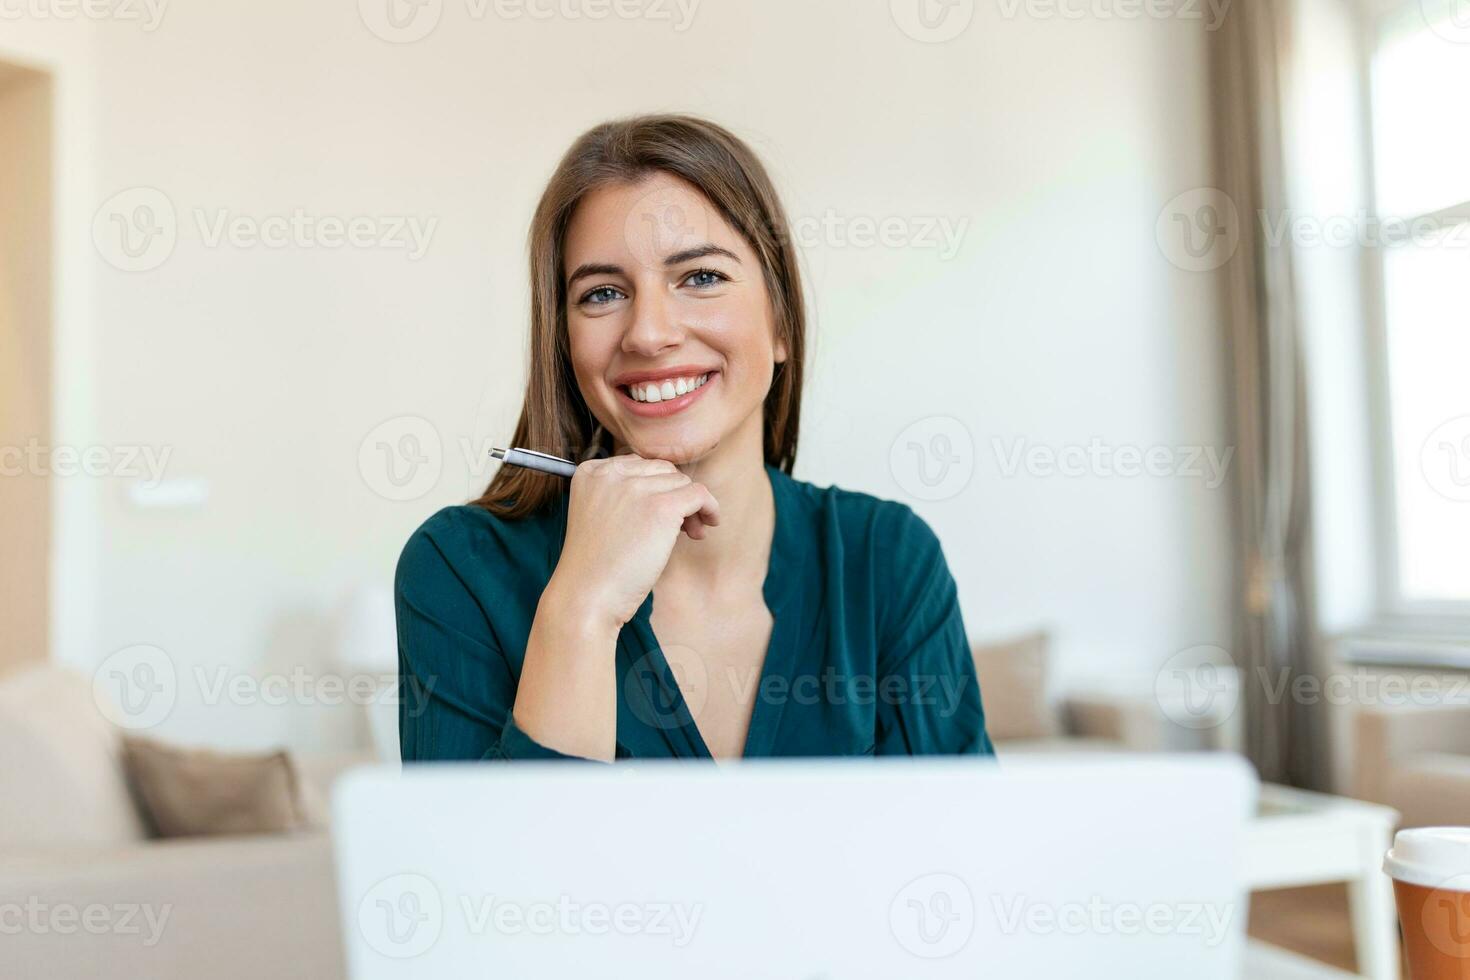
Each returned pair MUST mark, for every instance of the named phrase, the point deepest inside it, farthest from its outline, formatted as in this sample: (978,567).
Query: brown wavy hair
(555,417)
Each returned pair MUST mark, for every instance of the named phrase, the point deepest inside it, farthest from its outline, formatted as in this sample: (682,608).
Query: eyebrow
(697,252)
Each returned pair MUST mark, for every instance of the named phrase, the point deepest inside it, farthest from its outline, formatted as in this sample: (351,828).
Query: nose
(653,326)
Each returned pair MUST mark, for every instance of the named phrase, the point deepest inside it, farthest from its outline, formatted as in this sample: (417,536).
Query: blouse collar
(780,581)
(781,573)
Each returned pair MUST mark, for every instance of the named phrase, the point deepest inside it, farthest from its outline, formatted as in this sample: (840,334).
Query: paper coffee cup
(1430,868)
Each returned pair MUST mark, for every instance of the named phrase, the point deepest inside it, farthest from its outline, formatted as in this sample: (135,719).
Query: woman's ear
(780,351)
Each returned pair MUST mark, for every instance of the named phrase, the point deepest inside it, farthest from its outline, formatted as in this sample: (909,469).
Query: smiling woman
(667,345)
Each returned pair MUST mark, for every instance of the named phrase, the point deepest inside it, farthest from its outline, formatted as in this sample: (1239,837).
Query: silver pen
(532,460)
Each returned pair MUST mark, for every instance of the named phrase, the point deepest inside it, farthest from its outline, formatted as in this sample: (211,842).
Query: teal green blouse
(867,656)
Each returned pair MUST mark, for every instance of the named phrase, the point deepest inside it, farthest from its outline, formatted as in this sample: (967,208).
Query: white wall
(263,370)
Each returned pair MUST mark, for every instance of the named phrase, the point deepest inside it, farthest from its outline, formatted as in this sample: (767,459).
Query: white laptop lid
(838,870)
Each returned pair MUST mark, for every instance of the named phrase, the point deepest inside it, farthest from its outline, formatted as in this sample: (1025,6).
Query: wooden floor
(1311,921)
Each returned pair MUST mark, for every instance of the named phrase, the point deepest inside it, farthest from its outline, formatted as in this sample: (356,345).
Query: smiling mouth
(667,390)
(653,399)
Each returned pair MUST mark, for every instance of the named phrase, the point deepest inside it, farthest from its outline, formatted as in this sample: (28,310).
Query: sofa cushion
(188,792)
(1060,743)
(1430,789)
(1013,687)
(61,776)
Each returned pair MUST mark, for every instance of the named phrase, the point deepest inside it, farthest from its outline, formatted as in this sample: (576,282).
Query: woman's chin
(680,453)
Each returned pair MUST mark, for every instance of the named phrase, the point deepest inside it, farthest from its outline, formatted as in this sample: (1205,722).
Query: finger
(694,499)
(631,464)
(710,512)
(656,483)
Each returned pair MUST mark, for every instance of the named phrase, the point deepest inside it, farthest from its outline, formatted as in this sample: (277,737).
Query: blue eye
(707,277)
(600,296)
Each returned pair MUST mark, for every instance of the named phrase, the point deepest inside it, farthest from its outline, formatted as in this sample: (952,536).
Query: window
(1420,75)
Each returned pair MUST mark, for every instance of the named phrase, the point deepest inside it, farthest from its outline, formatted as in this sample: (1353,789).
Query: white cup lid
(1433,857)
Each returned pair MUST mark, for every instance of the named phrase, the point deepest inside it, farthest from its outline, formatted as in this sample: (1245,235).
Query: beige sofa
(1112,723)
(84,891)
(1022,715)
(1415,759)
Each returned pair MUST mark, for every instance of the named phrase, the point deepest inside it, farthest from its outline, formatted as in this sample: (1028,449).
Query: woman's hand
(624,516)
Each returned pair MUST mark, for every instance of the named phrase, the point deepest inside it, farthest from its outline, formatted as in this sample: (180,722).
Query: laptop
(1104,866)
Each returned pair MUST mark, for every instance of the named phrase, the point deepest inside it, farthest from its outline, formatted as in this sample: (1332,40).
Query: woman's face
(662,292)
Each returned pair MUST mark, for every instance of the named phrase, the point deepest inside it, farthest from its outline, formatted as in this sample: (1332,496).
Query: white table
(1301,838)
(1266,962)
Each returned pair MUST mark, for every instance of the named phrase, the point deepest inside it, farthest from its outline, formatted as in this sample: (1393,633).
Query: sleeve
(455,685)
(928,693)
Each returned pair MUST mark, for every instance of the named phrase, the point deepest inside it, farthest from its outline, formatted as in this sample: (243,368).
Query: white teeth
(664,390)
